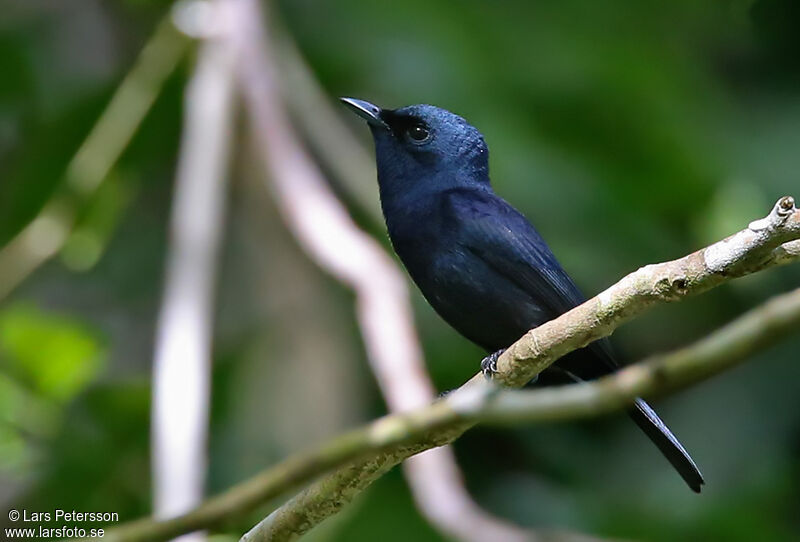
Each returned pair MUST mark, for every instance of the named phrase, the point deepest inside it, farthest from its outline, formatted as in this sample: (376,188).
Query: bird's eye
(418,133)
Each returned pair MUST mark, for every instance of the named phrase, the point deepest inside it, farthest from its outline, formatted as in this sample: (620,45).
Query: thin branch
(658,375)
(182,364)
(398,436)
(764,243)
(483,402)
(326,496)
(46,234)
(329,137)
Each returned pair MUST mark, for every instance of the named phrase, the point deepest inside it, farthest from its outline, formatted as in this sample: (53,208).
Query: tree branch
(483,402)
(657,375)
(391,439)
(398,435)
(331,139)
(762,244)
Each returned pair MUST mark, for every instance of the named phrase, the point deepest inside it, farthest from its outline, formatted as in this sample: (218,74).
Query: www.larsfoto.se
(52,532)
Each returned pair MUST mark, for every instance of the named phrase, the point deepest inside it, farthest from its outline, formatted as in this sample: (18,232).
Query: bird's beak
(367,111)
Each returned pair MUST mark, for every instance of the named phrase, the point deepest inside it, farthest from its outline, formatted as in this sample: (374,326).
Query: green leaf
(54,354)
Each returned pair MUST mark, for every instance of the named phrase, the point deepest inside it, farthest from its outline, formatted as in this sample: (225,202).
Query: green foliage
(45,361)
(56,356)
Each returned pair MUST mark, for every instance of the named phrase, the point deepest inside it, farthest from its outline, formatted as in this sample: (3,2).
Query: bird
(482,266)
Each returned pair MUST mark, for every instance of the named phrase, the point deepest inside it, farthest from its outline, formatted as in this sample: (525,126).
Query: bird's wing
(504,239)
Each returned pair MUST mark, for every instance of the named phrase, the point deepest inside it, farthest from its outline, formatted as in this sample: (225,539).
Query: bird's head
(424,146)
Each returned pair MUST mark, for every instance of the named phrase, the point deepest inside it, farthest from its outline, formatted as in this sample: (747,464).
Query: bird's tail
(649,422)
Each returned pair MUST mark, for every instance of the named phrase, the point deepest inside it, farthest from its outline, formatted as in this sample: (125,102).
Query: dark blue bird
(478,261)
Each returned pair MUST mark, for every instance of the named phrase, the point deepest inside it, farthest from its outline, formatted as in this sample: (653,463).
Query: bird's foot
(489,363)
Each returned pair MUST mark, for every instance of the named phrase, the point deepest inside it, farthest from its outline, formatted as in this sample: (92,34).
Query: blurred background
(629,132)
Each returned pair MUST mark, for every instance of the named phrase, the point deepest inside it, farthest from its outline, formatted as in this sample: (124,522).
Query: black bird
(478,261)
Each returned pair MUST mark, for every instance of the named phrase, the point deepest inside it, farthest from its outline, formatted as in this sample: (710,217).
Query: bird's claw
(489,363)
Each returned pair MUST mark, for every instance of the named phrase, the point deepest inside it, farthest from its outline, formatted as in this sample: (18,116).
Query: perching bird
(478,261)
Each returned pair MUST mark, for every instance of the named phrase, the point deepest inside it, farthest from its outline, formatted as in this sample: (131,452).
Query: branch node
(782,210)
(670,288)
(785,206)
(679,285)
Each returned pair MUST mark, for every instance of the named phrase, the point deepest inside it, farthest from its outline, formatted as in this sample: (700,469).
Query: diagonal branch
(352,167)
(764,243)
(441,422)
(391,439)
